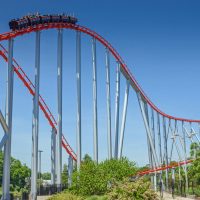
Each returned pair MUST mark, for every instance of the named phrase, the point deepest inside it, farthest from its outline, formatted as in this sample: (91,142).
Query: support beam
(70,171)
(148,130)
(117,99)
(148,143)
(9,107)
(53,157)
(3,141)
(185,155)
(35,129)
(160,152)
(154,143)
(95,122)
(195,134)
(166,152)
(109,134)
(159,138)
(78,79)
(59,93)
(173,182)
(3,122)
(124,118)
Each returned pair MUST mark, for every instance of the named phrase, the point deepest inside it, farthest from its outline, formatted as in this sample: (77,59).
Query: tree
(19,173)
(95,179)
(87,158)
(46,176)
(194,150)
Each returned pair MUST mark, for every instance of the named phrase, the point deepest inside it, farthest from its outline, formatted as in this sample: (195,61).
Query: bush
(126,190)
(65,195)
(96,179)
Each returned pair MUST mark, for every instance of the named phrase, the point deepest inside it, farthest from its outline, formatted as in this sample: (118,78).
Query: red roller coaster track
(164,167)
(124,68)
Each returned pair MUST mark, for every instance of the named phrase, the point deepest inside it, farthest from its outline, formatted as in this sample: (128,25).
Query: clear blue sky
(160,42)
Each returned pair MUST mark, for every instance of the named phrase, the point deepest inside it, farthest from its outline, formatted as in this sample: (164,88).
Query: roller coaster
(157,123)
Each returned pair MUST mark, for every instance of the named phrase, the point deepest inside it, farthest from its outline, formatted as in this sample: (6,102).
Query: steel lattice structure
(157,123)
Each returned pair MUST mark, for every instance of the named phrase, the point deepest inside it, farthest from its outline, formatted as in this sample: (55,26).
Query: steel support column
(185,155)
(117,99)
(95,122)
(70,171)
(53,157)
(109,134)
(78,79)
(148,143)
(3,141)
(9,106)
(160,151)
(59,93)
(166,151)
(159,138)
(148,130)
(35,127)
(124,118)
(3,122)
(154,143)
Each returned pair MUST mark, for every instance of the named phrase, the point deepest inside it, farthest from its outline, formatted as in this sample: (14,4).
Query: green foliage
(65,175)
(126,190)
(96,179)
(64,196)
(118,169)
(46,176)
(90,180)
(194,150)
(19,174)
(194,171)
(87,158)
(97,198)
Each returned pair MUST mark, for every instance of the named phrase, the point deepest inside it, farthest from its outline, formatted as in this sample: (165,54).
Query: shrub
(126,190)
(96,179)
(65,195)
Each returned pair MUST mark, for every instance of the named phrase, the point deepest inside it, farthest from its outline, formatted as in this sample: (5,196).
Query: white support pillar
(3,122)
(70,171)
(185,155)
(148,143)
(9,107)
(53,156)
(124,118)
(154,143)
(78,80)
(95,117)
(160,151)
(35,127)
(59,132)
(117,99)
(159,138)
(166,151)
(148,130)
(109,134)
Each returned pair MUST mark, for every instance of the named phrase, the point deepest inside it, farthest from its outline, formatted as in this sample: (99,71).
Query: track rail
(43,106)
(124,68)
(164,167)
